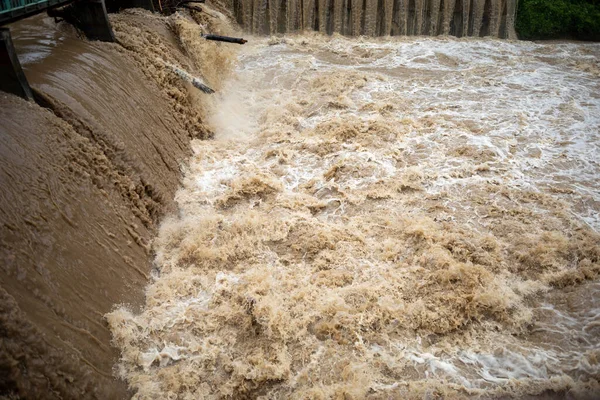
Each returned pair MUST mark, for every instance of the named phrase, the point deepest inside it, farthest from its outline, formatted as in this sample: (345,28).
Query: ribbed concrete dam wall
(379,17)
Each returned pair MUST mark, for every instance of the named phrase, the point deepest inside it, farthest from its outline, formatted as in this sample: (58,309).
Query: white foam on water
(396,217)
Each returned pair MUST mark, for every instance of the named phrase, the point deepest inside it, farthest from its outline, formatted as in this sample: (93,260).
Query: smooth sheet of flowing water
(383,218)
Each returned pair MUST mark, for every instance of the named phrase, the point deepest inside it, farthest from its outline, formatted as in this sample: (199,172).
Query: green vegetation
(554,19)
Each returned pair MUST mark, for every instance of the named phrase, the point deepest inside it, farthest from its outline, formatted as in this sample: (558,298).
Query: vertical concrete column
(511,17)
(12,78)
(90,16)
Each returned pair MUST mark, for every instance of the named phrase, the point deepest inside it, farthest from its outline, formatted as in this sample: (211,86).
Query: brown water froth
(84,182)
(409,218)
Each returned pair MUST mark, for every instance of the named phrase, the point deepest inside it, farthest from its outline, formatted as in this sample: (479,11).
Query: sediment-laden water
(398,218)
(84,180)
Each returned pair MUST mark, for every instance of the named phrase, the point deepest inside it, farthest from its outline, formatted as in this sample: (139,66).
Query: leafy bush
(553,19)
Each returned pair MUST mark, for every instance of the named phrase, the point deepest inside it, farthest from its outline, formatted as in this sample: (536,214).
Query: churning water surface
(383,218)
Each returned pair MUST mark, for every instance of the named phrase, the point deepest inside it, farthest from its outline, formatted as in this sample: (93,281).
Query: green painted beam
(14,10)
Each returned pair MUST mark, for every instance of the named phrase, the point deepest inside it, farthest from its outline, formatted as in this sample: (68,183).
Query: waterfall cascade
(379,17)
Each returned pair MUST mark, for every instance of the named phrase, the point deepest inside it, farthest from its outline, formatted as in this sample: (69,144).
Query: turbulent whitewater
(379,17)
(399,218)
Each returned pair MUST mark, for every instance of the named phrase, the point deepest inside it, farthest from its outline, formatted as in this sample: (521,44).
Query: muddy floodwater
(382,218)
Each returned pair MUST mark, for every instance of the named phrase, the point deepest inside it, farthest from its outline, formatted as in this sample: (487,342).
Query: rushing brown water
(83,184)
(379,17)
(398,218)
(374,218)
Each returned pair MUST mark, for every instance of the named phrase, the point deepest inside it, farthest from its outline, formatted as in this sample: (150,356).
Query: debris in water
(187,77)
(227,39)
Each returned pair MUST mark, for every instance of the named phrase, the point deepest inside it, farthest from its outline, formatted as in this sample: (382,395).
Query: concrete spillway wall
(379,17)
(86,175)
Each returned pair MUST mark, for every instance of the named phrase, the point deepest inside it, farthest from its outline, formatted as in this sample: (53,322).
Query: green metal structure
(14,10)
